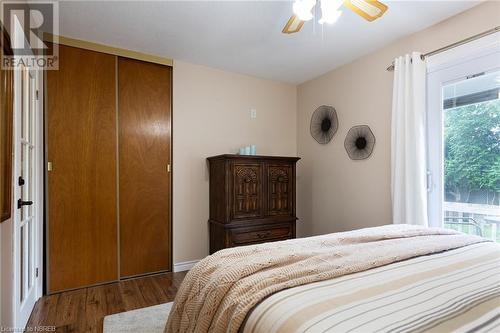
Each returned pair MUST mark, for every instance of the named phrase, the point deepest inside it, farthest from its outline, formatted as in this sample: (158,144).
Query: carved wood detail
(279,190)
(247,191)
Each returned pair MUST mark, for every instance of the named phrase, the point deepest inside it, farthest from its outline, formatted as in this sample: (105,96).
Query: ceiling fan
(330,12)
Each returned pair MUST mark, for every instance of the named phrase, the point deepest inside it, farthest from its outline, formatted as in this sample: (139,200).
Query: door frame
(20,314)
(475,57)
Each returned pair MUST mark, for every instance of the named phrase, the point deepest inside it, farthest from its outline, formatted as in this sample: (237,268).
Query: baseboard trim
(185,265)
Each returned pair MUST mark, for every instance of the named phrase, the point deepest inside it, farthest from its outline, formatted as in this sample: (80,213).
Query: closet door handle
(21,203)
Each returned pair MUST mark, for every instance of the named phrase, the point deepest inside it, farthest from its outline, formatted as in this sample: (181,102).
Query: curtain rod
(451,46)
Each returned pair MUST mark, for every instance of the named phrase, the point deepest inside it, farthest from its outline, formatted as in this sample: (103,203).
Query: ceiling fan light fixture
(330,18)
(370,10)
(330,12)
(303,9)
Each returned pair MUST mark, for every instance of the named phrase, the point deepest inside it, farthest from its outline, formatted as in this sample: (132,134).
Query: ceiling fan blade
(293,25)
(368,9)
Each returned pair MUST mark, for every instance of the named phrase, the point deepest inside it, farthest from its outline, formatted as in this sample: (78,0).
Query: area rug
(146,320)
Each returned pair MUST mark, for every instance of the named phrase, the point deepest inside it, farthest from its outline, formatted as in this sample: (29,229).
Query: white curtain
(408,141)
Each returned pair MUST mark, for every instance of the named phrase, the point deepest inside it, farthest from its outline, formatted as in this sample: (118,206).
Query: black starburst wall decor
(359,142)
(324,124)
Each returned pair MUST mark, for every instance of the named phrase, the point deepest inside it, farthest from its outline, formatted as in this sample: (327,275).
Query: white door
(26,221)
(463,126)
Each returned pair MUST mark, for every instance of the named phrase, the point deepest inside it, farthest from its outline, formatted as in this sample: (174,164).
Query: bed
(394,278)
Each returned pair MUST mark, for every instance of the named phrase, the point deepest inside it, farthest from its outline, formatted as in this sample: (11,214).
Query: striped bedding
(453,291)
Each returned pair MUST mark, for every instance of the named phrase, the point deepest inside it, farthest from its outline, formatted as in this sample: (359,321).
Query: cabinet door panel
(247,190)
(81,144)
(144,95)
(280,190)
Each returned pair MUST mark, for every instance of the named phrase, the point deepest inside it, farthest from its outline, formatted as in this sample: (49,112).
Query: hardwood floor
(83,310)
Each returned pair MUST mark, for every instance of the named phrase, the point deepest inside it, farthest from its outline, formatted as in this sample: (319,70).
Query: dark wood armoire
(252,200)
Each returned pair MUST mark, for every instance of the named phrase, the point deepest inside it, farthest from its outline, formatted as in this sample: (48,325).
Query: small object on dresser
(247,150)
(242,151)
(252,200)
(253,150)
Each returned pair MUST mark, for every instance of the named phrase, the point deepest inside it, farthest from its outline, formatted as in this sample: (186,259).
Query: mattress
(453,291)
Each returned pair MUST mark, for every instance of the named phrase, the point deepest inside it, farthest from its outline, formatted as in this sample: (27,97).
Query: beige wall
(211,116)
(335,193)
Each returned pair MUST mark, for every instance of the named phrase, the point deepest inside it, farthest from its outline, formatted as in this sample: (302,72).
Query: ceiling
(245,36)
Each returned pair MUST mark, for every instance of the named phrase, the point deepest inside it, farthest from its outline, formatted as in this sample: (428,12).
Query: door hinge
(36,272)
(36,95)
(49,166)
(168,167)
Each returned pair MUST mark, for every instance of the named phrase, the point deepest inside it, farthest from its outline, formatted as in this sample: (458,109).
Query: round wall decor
(359,142)
(324,124)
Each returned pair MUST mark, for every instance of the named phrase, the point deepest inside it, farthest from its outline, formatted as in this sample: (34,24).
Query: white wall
(211,116)
(335,193)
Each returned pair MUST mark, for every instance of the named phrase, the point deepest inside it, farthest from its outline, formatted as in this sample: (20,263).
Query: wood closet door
(144,95)
(81,144)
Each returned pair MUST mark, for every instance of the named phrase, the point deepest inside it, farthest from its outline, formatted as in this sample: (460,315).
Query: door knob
(21,203)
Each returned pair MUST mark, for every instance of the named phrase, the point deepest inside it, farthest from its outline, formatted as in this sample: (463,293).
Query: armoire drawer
(260,234)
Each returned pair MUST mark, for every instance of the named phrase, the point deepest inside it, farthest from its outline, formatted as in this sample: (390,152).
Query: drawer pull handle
(264,234)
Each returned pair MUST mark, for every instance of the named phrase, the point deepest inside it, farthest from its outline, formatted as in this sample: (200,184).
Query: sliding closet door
(144,108)
(81,149)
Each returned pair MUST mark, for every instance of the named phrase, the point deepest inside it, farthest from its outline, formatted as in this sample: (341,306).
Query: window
(464,145)
(472,155)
